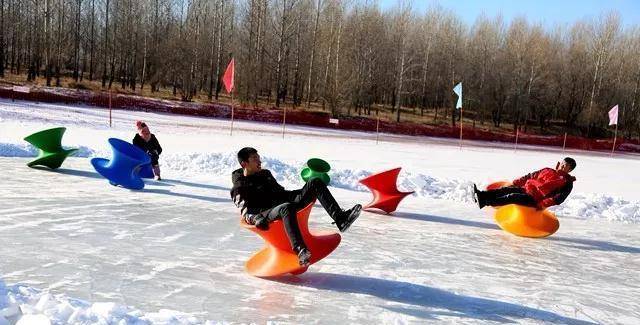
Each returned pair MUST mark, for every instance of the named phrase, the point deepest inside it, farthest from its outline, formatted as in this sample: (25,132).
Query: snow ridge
(27,305)
(578,205)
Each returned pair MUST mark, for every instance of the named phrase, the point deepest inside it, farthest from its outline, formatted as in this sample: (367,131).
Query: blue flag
(458,90)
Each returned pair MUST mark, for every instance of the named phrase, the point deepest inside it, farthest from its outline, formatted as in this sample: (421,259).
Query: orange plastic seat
(525,221)
(277,257)
(386,195)
(522,220)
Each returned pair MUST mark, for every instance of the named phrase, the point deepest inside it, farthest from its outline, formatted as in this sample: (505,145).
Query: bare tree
(2,50)
(604,32)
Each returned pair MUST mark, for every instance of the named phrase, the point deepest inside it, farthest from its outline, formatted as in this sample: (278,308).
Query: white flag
(458,90)
(613,115)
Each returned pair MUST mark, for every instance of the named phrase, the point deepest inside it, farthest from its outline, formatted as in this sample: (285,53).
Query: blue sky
(549,12)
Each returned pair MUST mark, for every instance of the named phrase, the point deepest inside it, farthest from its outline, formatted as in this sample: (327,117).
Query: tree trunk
(336,94)
(313,52)
(398,103)
(219,49)
(59,54)
(47,42)
(296,68)
(326,67)
(2,38)
(92,39)
(105,49)
(76,51)
(212,62)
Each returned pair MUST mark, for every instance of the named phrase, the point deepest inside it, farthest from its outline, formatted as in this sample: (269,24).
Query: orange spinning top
(277,257)
(522,220)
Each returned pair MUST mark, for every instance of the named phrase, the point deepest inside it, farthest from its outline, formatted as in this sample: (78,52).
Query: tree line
(347,57)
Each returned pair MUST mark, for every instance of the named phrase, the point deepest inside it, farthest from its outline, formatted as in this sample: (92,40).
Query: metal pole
(615,137)
(231,115)
(109,107)
(460,128)
(515,149)
(284,119)
(378,128)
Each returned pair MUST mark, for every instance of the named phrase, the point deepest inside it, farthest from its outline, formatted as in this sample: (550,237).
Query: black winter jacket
(151,147)
(259,191)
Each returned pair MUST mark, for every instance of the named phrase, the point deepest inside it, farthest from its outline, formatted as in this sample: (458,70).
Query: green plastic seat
(316,168)
(48,142)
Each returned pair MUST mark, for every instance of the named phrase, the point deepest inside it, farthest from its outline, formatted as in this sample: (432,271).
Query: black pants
(154,158)
(299,199)
(507,195)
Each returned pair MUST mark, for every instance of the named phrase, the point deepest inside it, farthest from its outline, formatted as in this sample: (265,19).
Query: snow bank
(24,305)
(27,150)
(578,205)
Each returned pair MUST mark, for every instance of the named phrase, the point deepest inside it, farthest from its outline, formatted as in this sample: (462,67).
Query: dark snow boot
(474,195)
(346,218)
(304,257)
(479,197)
(482,199)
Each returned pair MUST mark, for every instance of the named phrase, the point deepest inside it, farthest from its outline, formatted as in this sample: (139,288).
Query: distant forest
(349,58)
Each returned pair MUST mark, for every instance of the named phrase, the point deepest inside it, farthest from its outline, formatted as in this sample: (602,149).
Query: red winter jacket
(547,186)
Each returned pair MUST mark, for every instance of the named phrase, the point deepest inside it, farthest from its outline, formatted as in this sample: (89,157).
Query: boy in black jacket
(263,200)
(147,141)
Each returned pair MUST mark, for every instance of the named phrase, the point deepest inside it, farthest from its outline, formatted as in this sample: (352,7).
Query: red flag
(228,77)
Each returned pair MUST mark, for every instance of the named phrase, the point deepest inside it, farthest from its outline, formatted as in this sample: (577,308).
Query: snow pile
(578,205)
(25,305)
(599,206)
(17,150)
(27,150)
(288,174)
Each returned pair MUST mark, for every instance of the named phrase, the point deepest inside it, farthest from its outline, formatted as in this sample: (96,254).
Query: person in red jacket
(540,189)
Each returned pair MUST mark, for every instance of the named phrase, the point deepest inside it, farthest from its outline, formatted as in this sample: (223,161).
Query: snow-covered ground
(77,250)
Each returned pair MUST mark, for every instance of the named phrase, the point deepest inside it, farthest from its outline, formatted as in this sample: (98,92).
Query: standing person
(262,200)
(148,142)
(540,189)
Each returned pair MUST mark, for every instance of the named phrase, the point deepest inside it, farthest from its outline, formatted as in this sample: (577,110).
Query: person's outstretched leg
(316,188)
(289,215)
(492,197)
(492,194)
(513,198)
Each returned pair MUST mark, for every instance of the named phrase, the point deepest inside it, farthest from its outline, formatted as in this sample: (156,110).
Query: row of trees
(348,57)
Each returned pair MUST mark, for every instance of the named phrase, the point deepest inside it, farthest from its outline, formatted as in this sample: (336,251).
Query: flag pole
(515,149)
(564,143)
(615,137)
(228,81)
(231,134)
(377,127)
(109,107)
(284,119)
(460,127)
